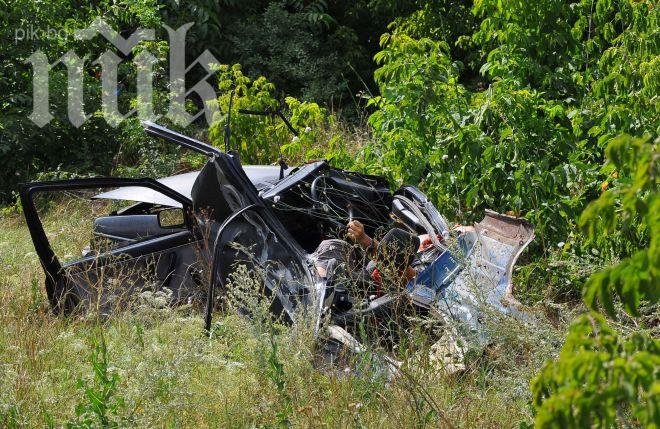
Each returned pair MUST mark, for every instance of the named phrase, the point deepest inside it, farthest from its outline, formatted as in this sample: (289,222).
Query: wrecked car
(187,234)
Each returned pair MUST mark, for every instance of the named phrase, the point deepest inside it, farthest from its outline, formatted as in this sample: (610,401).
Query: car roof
(183,183)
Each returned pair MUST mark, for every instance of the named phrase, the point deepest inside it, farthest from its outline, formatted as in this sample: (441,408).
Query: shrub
(262,139)
(603,376)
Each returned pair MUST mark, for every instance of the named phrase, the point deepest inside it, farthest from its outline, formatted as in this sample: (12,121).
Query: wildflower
(307,129)
(295,139)
(560,244)
(445,157)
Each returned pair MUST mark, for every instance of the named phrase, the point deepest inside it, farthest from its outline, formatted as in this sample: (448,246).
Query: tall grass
(154,367)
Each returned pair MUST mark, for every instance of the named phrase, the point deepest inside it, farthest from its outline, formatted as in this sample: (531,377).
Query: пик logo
(109,62)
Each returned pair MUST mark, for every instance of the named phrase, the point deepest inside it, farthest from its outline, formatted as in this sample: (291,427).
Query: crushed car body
(188,233)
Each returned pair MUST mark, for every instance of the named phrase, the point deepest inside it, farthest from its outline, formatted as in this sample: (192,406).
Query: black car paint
(226,203)
(58,296)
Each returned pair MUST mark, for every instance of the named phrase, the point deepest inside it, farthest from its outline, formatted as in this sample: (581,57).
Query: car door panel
(149,264)
(243,231)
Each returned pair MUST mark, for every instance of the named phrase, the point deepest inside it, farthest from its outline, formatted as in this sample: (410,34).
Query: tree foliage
(546,109)
(312,50)
(559,81)
(600,379)
(603,376)
(633,203)
(263,139)
(566,111)
(505,148)
(28,151)
(315,50)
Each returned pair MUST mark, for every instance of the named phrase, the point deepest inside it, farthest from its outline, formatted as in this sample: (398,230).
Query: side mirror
(171,218)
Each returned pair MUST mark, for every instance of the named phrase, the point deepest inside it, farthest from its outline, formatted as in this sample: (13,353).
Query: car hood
(259,175)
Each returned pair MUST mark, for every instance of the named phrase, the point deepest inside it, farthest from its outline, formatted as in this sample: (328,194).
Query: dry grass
(170,374)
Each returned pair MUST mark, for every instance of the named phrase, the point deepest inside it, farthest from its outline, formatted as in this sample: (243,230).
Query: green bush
(531,141)
(262,139)
(27,150)
(504,148)
(604,376)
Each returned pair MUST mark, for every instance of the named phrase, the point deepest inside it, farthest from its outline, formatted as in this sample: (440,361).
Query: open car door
(243,231)
(129,247)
